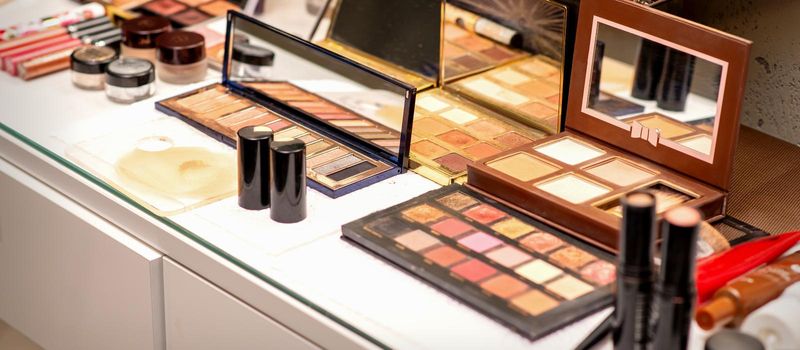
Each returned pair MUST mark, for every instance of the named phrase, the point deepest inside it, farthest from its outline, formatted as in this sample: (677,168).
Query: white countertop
(309,258)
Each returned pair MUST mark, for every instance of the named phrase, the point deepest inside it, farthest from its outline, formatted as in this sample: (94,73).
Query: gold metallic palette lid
(326,92)
(659,86)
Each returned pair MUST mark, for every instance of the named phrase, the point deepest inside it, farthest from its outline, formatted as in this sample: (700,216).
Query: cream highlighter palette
(355,122)
(575,179)
(529,276)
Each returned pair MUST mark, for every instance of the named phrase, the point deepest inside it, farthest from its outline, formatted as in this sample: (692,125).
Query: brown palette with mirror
(489,78)
(679,144)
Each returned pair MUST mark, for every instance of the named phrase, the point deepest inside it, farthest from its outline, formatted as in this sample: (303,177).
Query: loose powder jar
(88,65)
(181,57)
(129,80)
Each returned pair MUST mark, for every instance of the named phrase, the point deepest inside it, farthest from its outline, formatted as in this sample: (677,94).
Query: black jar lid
(130,72)
(180,47)
(92,59)
(141,32)
(252,54)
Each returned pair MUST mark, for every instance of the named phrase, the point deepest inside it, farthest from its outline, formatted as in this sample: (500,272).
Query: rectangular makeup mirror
(355,121)
(638,79)
(324,89)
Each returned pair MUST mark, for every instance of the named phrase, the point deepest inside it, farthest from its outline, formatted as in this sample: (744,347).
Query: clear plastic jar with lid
(129,80)
(250,62)
(181,57)
(139,36)
(88,65)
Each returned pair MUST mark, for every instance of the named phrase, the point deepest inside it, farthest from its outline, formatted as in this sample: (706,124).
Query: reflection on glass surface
(654,86)
(325,88)
(508,56)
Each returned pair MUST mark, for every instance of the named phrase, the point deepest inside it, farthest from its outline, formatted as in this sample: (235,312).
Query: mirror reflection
(646,84)
(322,86)
(507,55)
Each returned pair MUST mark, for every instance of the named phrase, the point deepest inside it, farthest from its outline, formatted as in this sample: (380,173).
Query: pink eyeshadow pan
(279,125)
(452,227)
(484,214)
(479,242)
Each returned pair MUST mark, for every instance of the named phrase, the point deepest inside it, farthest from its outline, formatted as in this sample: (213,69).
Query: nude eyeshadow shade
(530,276)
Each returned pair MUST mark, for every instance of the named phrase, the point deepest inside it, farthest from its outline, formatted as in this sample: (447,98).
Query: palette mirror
(662,92)
(409,40)
(322,88)
(508,56)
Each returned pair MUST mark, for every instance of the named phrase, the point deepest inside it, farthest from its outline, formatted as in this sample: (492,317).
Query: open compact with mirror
(355,121)
(489,78)
(652,107)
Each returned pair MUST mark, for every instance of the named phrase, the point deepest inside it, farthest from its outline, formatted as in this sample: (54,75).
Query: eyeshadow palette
(450,133)
(671,148)
(567,178)
(518,271)
(184,13)
(222,113)
(355,122)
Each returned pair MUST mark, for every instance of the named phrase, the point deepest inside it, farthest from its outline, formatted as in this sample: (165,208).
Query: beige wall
(772,96)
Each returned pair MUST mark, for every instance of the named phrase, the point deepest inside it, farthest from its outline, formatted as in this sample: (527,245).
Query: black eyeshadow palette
(526,275)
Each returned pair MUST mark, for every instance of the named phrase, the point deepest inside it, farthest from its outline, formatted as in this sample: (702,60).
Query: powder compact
(682,155)
(488,78)
(355,121)
(525,274)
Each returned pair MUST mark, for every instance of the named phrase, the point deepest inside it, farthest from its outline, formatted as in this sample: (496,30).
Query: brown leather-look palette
(680,146)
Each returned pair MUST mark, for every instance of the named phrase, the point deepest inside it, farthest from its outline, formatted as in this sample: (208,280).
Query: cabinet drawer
(68,278)
(199,315)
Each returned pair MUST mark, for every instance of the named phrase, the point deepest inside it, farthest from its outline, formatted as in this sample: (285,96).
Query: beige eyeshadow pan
(523,166)
(573,188)
(620,172)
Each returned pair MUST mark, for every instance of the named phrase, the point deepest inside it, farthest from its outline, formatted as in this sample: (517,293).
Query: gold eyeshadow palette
(488,79)
(355,121)
(184,13)
(574,179)
(529,276)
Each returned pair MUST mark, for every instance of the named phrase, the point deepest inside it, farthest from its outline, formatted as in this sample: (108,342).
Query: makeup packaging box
(679,145)
(521,272)
(489,78)
(354,120)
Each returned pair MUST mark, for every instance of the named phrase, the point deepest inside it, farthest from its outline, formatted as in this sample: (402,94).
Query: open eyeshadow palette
(527,275)
(580,181)
(480,91)
(355,122)
(184,13)
(575,179)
